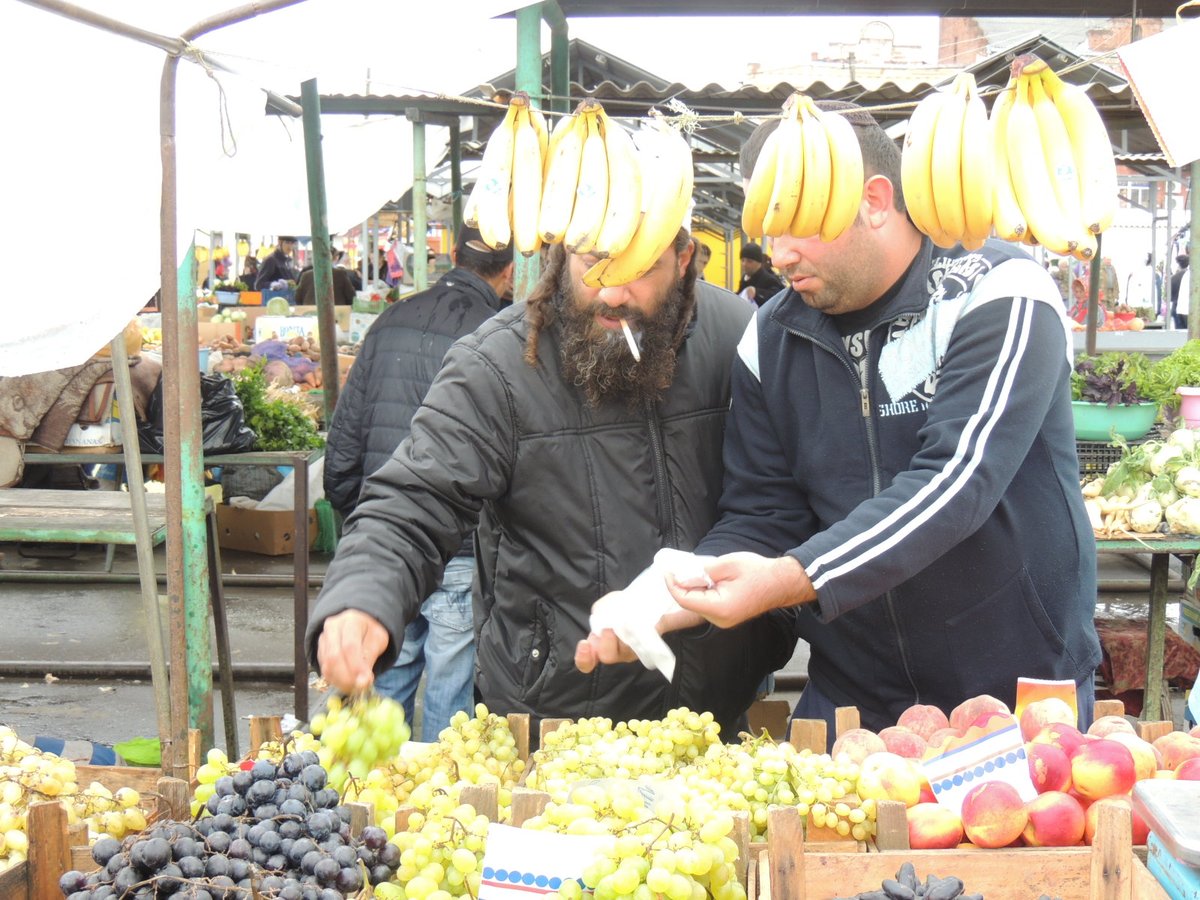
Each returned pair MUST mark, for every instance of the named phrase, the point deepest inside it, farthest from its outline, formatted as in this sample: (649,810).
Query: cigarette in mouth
(629,338)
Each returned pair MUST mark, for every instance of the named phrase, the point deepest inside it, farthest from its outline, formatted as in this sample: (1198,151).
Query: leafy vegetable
(1111,378)
(279,423)
(1180,368)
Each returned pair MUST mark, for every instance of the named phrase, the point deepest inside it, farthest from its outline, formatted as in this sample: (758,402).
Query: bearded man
(577,463)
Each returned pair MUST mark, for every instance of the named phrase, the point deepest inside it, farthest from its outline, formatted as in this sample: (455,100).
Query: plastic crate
(1095,457)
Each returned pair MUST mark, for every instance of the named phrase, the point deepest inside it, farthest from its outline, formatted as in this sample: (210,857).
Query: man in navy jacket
(901,484)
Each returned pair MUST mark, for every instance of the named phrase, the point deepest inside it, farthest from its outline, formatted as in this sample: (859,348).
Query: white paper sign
(998,755)
(520,864)
(1159,69)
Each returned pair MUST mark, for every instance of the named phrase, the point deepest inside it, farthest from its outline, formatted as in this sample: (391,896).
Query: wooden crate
(1107,870)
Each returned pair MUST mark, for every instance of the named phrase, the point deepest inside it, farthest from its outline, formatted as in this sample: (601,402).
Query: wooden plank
(81,861)
(809,734)
(526,804)
(174,799)
(195,752)
(263,730)
(891,825)
(14,882)
(786,856)
(1112,854)
(484,798)
(845,718)
(143,779)
(741,837)
(518,724)
(548,725)
(1109,708)
(1152,731)
(36,498)
(49,852)
(1145,886)
(403,814)
(361,815)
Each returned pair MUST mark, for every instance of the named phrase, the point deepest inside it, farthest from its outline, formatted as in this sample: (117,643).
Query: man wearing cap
(401,354)
(278,266)
(343,283)
(578,460)
(759,284)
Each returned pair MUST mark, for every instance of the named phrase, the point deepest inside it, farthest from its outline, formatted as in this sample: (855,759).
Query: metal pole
(1093,298)
(420,210)
(560,56)
(529,80)
(1194,253)
(322,257)
(456,185)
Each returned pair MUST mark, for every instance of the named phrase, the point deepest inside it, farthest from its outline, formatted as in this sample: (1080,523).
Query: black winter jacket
(276,267)
(572,502)
(400,357)
(935,505)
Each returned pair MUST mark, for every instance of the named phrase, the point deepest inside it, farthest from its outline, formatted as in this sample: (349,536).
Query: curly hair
(541,309)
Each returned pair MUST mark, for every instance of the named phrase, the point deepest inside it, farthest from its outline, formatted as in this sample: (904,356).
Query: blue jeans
(815,705)
(440,642)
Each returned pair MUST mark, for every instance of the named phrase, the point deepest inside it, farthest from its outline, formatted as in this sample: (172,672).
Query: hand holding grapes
(351,641)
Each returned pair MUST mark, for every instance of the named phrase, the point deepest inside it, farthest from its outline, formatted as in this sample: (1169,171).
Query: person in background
(578,462)
(759,284)
(901,486)
(250,271)
(703,255)
(1180,319)
(343,284)
(278,266)
(1079,305)
(339,262)
(401,354)
(1142,289)
(1110,285)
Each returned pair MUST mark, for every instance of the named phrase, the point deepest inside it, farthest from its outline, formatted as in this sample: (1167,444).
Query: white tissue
(633,613)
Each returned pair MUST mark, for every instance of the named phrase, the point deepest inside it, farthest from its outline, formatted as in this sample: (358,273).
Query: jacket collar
(790,311)
(464,279)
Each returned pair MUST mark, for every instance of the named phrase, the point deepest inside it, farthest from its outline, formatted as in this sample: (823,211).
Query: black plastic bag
(221,416)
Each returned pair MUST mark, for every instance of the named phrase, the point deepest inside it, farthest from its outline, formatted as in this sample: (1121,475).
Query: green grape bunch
(359,734)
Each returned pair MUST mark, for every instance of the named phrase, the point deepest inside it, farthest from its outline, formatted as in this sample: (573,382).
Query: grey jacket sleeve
(346,445)
(414,512)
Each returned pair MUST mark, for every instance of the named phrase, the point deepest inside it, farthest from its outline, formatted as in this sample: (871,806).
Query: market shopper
(343,283)
(278,266)
(578,463)
(901,488)
(400,357)
(759,283)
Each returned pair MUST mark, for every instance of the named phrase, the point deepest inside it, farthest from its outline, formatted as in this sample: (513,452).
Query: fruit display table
(1161,549)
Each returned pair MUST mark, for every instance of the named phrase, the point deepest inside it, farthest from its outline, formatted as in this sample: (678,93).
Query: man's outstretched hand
(745,585)
(351,642)
(607,648)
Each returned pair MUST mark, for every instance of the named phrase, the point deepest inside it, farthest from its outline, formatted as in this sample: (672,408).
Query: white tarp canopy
(80,190)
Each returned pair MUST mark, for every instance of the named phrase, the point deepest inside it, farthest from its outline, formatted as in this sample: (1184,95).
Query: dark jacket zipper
(864,393)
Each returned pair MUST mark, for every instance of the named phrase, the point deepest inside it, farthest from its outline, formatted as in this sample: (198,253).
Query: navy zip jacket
(935,504)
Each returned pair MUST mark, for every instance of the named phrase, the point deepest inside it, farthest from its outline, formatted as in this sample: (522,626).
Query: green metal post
(1193,299)
(456,185)
(1093,313)
(529,80)
(318,218)
(560,56)
(420,211)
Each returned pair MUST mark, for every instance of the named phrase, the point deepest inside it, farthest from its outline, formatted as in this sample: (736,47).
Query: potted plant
(1107,397)
(228,292)
(1175,383)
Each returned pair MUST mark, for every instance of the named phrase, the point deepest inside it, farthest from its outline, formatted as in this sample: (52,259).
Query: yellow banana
(539,123)
(1092,152)
(759,185)
(789,172)
(1031,180)
(978,170)
(562,179)
(561,127)
(495,180)
(916,166)
(624,209)
(526,184)
(846,175)
(591,194)
(946,172)
(1087,246)
(814,192)
(1007,218)
(1060,161)
(667,179)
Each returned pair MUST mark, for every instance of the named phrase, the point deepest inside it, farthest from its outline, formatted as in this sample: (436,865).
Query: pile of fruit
(589,185)
(1075,774)
(229,315)
(27,775)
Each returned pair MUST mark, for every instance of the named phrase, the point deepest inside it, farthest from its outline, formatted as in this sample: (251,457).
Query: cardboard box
(341,315)
(345,361)
(210,331)
(269,532)
(283,327)
(360,324)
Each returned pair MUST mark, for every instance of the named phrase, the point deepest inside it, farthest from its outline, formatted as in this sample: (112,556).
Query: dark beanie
(752,251)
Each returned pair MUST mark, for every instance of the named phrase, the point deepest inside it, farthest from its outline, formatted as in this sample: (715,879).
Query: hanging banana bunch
(808,177)
(947,166)
(506,199)
(662,184)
